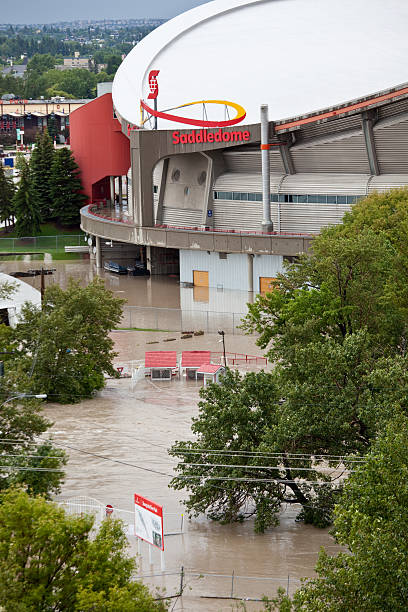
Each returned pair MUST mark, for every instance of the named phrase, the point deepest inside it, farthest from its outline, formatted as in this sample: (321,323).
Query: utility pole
(42,285)
(222,334)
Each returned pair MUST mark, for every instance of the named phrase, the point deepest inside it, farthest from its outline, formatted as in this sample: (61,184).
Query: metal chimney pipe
(267,225)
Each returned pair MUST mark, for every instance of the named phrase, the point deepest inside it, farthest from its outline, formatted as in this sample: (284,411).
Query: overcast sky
(49,11)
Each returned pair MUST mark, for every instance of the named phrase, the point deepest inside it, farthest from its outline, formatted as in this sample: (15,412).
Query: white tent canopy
(23,293)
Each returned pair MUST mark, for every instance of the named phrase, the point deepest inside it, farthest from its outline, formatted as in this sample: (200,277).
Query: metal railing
(104,211)
(234,231)
(173,522)
(135,369)
(180,320)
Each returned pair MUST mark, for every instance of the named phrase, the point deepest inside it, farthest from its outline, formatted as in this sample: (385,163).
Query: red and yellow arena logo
(240,112)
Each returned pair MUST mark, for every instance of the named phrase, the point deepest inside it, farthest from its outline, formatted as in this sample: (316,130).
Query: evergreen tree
(40,167)
(52,127)
(25,203)
(6,198)
(66,188)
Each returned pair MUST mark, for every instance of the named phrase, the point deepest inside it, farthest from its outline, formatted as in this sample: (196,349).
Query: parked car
(138,269)
(112,266)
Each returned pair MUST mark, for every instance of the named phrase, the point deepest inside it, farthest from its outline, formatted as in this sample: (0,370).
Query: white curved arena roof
(297,56)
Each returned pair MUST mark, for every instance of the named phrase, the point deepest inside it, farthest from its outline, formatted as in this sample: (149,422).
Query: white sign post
(149,525)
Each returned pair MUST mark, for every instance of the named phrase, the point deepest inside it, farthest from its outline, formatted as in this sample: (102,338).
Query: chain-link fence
(178,320)
(194,584)
(41,242)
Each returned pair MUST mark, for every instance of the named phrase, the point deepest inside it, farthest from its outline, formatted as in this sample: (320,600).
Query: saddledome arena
(243,128)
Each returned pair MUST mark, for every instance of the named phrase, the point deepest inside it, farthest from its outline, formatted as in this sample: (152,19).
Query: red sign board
(149,521)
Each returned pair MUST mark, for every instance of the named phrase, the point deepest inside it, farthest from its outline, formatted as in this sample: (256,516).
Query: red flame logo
(153,85)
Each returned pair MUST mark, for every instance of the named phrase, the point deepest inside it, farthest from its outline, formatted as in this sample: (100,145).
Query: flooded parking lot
(127,430)
(117,445)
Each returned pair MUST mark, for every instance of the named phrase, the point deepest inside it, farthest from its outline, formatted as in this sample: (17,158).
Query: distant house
(75,62)
(18,70)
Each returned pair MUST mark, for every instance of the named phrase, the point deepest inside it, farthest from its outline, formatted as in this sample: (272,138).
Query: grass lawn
(47,229)
(52,240)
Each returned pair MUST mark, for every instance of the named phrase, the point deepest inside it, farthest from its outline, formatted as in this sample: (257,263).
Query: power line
(255,467)
(226,453)
(247,480)
(34,456)
(139,467)
(270,480)
(261,454)
(17,441)
(28,469)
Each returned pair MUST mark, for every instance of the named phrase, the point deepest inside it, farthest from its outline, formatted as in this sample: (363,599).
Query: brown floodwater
(127,428)
(135,424)
(138,291)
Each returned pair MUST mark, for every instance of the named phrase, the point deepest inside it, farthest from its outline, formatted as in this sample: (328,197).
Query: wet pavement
(117,445)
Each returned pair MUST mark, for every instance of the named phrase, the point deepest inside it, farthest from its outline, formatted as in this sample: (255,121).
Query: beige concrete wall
(45,107)
(183,188)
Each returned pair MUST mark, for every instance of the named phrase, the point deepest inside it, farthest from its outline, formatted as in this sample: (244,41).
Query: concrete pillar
(250,272)
(120,190)
(267,225)
(129,194)
(98,252)
(112,190)
(149,258)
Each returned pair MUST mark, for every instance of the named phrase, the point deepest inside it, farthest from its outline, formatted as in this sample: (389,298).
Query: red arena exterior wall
(100,148)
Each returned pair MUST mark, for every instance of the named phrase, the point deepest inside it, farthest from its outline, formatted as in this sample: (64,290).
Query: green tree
(41,62)
(343,286)
(386,214)
(340,370)
(371,520)
(79,82)
(6,198)
(25,203)
(38,466)
(52,128)
(232,415)
(113,63)
(40,166)
(49,561)
(66,188)
(259,439)
(65,346)
(35,85)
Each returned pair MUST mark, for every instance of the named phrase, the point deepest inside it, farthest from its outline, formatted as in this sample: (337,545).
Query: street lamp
(24,396)
(222,334)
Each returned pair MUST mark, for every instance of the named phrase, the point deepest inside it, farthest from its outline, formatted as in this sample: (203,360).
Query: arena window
(242,196)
